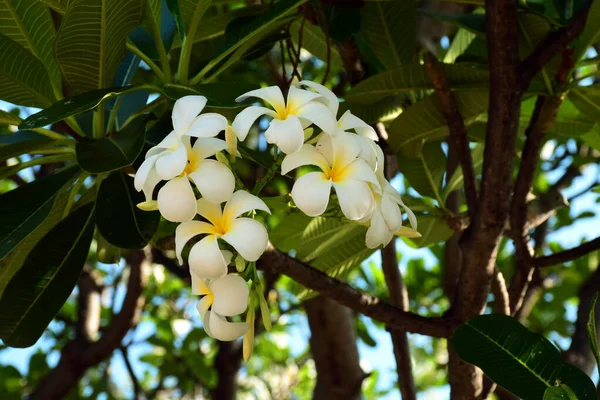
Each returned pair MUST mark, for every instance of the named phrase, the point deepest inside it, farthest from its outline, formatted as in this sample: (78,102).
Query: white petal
(355,197)
(208,147)
(360,170)
(210,211)
(287,134)
(345,148)
(170,142)
(176,200)
(368,151)
(206,259)
(207,125)
(203,305)
(307,155)
(141,175)
(325,147)
(390,191)
(311,193)
(231,295)
(320,115)
(185,111)
(195,284)
(298,97)
(351,121)
(378,233)
(150,184)
(332,101)
(241,202)
(186,231)
(223,330)
(245,119)
(172,163)
(271,95)
(214,181)
(248,237)
(391,213)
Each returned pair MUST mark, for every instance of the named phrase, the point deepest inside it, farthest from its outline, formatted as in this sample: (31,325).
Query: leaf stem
(10,171)
(188,42)
(74,190)
(155,68)
(49,133)
(99,114)
(162,54)
(269,174)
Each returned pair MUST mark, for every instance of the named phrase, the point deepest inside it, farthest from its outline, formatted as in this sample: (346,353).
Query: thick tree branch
(366,304)
(399,298)
(79,354)
(543,118)
(458,131)
(554,44)
(567,255)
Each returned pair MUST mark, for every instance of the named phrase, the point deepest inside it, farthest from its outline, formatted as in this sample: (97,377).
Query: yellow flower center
(221,226)
(192,163)
(336,174)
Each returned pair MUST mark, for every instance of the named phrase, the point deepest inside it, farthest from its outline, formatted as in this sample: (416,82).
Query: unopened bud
(222,159)
(231,140)
(248,342)
(264,310)
(240,264)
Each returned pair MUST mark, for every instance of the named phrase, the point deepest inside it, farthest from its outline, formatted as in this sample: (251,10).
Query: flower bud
(240,264)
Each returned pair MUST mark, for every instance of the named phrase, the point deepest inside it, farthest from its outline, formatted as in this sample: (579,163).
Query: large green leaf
(36,293)
(219,94)
(315,41)
(591,32)
(414,77)
(59,6)
(384,110)
(29,23)
(119,221)
(425,120)
(460,43)
(587,100)
(89,53)
(570,121)
(115,151)
(433,229)
(26,207)
(425,172)
(390,28)
(9,118)
(559,392)
(522,362)
(73,106)
(457,179)
(592,332)
(23,78)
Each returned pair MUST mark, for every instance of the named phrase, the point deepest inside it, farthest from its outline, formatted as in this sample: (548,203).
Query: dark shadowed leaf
(68,107)
(591,330)
(47,278)
(89,53)
(315,41)
(522,362)
(425,172)
(26,207)
(119,221)
(219,95)
(115,151)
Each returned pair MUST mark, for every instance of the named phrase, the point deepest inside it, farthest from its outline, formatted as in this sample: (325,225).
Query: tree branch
(458,131)
(567,255)
(543,118)
(501,300)
(366,304)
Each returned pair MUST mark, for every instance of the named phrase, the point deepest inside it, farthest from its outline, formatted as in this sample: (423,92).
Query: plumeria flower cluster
(218,221)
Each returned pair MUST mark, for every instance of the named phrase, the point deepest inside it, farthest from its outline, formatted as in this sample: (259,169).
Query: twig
(366,304)
(567,255)
(458,131)
(501,301)
(137,389)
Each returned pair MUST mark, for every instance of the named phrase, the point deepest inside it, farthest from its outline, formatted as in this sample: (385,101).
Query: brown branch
(399,298)
(78,355)
(554,44)
(456,124)
(501,300)
(137,389)
(366,304)
(567,255)
(543,118)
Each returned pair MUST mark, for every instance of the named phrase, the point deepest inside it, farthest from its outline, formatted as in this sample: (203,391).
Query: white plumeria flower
(223,297)
(286,129)
(247,236)
(169,159)
(350,176)
(386,219)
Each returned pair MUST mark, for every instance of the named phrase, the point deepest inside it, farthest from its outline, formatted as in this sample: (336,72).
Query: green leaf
(592,138)
(9,118)
(119,221)
(106,252)
(474,23)
(48,277)
(425,120)
(590,34)
(557,393)
(460,43)
(26,207)
(425,173)
(591,330)
(59,6)
(390,29)
(385,109)
(115,151)
(414,77)
(73,106)
(587,100)
(219,95)
(517,359)
(432,229)
(315,42)
(23,78)
(259,157)
(89,53)
(29,23)
(457,179)
(26,146)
